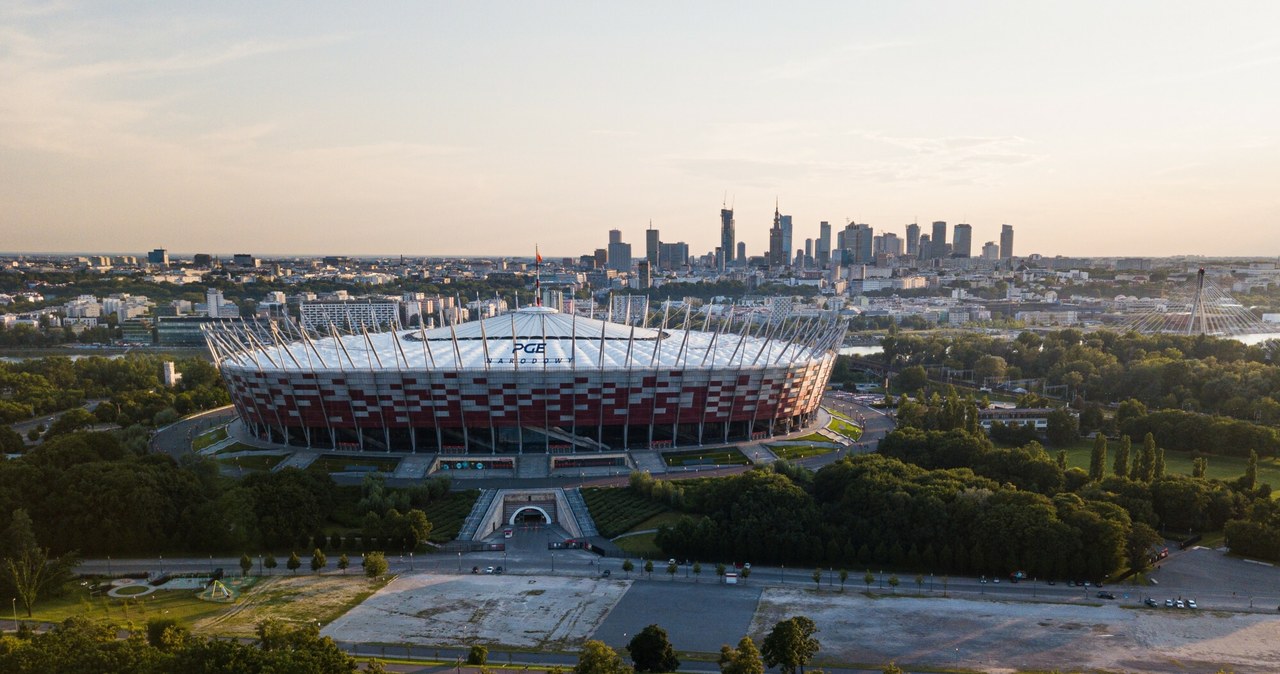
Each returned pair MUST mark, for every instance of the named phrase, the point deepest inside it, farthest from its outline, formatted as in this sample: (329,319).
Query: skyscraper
(615,236)
(990,251)
(938,242)
(619,252)
(962,237)
(786,236)
(892,244)
(652,246)
(858,244)
(1006,242)
(726,236)
(742,253)
(913,239)
(924,248)
(824,244)
(777,253)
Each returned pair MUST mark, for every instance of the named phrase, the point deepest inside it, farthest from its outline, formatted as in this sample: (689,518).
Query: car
(1191,603)
(1150,602)
(488,569)
(982,580)
(1179,604)
(498,571)
(995,580)
(475,569)
(1168,603)
(1052,582)
(606,573)
(1106,595)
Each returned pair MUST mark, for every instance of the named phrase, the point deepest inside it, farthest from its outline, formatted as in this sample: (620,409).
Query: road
(175,439)
(23,427)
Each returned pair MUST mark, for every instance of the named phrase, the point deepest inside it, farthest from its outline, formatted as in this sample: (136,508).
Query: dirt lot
(1010,636)
(295,599)
(553,613)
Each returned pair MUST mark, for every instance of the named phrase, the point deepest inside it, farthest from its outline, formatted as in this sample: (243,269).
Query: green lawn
(846,428)
(793,452)
(447,514)
(209,438)
(1220,467)
(708,457)
(181,605)
(639,547)
(618,510)
(340,464)
(254,462)
(812,437)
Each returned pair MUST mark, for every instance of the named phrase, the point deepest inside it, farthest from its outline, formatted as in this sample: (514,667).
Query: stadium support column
(457,388)
(515,376)
(738,387)
(626,424)
(430,360)
(488,405)
(306,340)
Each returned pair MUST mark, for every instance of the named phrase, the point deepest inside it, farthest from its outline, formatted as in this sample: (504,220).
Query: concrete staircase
(648,461)
(581,515)
(471,525)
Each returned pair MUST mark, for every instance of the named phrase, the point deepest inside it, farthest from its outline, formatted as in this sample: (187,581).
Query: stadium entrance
(530,515)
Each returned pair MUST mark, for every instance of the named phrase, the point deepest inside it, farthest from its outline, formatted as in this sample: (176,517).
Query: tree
(1063,428)
(844,575)
(1157,470)
(1098,458)
(10,441)
(1121,465)
(343,563)
(652,652)
(28,569)
(671,570)
(246,563)
(697,571)
(720,571)
(375,564)
(1138,545)
(597,658)
(478,655)
(648,567)
(318,560)
(294,563)
(893,583)
(1198,466)
(628,566)
(892,668)
(1250,481)
(745,659)
(868,579)
(817,578)
(911,379)
(790,644)
(270,562)
(1144,469)
(919,582)
(745,573)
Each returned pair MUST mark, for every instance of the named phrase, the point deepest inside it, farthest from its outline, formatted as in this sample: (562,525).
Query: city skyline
(1139,129)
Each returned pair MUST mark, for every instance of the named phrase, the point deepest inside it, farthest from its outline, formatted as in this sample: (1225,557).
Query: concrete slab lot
(697,617)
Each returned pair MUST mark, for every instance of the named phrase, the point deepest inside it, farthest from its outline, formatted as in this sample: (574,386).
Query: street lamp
(410,561)
(15,614)
(459,561)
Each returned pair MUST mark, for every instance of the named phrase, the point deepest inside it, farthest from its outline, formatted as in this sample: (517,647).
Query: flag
(537,255)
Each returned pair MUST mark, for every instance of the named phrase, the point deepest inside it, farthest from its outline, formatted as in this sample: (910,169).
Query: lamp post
(15,614)
(459,561)
(410,561)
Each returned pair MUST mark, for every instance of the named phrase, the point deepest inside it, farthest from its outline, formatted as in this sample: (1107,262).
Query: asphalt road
(175,439)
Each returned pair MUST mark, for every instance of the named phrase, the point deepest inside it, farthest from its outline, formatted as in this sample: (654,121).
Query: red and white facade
(533,380)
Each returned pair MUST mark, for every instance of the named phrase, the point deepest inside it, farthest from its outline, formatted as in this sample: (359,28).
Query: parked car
(1191,603)
(1106,595)
(488,569)
(1150,602)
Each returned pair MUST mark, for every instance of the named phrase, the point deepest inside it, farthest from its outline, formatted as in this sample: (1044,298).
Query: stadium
(531,380)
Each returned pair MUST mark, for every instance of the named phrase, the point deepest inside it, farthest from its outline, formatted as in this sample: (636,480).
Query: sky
(461,128)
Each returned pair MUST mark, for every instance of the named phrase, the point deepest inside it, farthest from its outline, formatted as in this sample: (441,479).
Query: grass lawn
(237,447)
(793,452)
(447,514)
(617,510)
(208,438)
(255,462)
(1220,467)
(812,437)
(341,464)
(293,599)
(181,605)
(639,547)
(708,457)
(845,428)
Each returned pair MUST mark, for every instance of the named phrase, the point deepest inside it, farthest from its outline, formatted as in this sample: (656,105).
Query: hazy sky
(1104,128)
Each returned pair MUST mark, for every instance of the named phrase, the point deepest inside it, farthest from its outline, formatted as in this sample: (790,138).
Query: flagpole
(537,276)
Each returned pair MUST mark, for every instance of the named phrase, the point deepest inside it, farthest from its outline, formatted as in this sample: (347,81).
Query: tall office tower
(962,238)
(858,244)
(924,249)
(913,239)
(786,235)
(674,255)
(615,236)
(877,244)
(777,254)
(990,251)
(892,244)
(619,254)
(808,249)
(1006,242)
(824,243)
(742,253)
(938,241)
(158,256)
(651,246)
(602,258)
(645,272)
(726,235)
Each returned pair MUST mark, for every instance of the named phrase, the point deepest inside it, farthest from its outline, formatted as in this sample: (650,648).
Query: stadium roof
(533,339)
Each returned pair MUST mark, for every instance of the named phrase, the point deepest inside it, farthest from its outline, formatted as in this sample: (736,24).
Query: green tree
(892,668)
(651,651)
(1098,458)
(628,566)
(745,659)
(1199,466)
(343,563)
(648,567)
(720,571)
(246,563)
(671,570)
(375,564)
(1157,469)
(1121,465)
(1062,428)
(1250,481)
(844,575)
(318,560)
(817,578)
(597,658)
(478,655)
(868,579)
(10,441)
(1145,468)
(697,571)
(1062,459)
(911,379)
(270,562)
(893,583)
(294,562)
(790,644)
(28,568)
(919,583)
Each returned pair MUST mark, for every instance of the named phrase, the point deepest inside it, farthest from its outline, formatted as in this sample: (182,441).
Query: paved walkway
(414,466)
(299,460)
